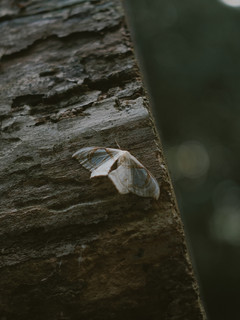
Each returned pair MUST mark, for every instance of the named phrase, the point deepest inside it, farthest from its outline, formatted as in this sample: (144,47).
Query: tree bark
(71,247)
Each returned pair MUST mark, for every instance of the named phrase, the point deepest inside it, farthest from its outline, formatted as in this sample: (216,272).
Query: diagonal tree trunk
(71,247)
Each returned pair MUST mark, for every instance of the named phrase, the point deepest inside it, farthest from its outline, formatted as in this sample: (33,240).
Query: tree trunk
(71,247)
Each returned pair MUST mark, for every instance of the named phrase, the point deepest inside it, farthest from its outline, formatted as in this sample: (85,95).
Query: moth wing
(98,160)
(132,176)
(120,177)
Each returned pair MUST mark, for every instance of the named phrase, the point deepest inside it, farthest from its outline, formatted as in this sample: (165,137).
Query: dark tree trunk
(71,247)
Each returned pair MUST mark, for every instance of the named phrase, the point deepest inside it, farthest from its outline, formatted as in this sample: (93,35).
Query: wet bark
(71,247)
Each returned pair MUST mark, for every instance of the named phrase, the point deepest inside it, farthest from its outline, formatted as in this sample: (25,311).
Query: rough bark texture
(71,247)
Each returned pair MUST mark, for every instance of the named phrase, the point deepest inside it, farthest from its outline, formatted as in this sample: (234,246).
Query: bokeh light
(189,160)
(225,222)
(231,3)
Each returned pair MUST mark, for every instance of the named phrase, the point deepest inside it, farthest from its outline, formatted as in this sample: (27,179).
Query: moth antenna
(117,144)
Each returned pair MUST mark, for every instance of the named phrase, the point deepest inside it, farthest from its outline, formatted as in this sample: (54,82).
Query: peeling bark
(71,247)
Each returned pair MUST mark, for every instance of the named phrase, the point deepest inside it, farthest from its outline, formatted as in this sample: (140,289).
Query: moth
(128,176)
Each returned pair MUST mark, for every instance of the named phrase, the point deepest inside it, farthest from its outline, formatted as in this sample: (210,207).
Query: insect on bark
(129,176)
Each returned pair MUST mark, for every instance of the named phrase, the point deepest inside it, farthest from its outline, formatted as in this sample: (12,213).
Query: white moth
(129,176)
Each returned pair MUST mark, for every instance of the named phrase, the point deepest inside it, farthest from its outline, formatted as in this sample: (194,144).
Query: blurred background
(189,52)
